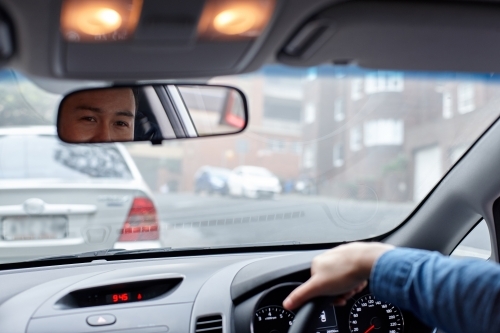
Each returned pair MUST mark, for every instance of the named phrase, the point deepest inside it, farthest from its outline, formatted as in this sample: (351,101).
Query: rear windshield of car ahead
(36,156)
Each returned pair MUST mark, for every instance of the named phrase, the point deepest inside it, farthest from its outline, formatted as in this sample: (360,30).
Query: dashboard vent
(212,324)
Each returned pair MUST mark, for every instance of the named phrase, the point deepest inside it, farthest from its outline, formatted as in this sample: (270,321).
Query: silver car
(253,182)
(62,198)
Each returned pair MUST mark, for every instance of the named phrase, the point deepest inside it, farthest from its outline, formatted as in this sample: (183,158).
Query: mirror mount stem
(156,142)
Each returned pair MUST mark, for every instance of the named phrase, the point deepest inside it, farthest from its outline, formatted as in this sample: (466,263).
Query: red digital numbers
(124,297)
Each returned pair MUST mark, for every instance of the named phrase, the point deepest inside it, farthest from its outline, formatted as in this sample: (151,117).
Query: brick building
(389,135)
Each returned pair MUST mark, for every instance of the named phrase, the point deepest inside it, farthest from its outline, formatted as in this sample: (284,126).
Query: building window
(308,158)
(297,147)
(383,81)
(282,108)
(427,171)
(356,89)
(355,139)
(338,155)
(465,98)
(338,110)
(310,113)
(383,132)
(447,105)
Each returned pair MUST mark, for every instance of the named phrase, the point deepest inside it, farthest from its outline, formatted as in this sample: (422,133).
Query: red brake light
(142,222)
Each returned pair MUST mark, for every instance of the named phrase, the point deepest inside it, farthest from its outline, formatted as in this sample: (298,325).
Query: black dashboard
(203,294)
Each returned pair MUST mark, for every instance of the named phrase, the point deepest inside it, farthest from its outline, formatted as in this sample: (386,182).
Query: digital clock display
(123,298)
(119,293)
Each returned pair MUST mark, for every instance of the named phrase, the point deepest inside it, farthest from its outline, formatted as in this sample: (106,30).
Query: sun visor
(6,39)
(437,35)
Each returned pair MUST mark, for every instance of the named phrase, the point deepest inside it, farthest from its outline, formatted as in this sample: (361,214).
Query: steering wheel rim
(305,315)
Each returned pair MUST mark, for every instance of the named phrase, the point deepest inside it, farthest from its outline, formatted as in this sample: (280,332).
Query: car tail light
(142,222)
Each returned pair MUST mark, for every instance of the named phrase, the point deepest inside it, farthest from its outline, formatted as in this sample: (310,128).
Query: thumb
(302,294)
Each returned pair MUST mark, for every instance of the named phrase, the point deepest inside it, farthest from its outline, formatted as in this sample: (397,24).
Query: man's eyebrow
(89,108)
(124,113)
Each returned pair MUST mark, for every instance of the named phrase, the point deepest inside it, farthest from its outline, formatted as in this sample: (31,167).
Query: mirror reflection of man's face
(105,115)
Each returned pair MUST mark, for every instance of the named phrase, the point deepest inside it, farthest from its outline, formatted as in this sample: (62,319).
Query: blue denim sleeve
(455,295)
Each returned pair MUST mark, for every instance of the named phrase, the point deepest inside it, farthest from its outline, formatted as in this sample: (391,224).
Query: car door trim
(181,110)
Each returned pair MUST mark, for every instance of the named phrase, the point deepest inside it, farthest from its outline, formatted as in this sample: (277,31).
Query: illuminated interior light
(99,20)
(234,19)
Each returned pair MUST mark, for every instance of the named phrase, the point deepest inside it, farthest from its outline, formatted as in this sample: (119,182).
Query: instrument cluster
(363,313)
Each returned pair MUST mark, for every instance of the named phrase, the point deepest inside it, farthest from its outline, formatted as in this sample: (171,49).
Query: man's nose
(103,134)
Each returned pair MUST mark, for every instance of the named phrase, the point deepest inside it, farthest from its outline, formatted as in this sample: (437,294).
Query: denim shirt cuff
(390,276)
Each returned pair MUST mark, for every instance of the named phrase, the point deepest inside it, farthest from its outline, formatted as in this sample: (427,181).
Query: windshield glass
(331,154)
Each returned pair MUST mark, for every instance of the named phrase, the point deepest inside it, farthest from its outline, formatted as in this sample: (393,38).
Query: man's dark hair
(135,91)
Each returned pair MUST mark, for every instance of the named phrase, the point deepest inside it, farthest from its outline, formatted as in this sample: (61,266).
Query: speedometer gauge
(369,314)
(273,319)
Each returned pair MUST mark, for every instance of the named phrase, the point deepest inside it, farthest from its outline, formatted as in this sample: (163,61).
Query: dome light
(234,19)
(99,20)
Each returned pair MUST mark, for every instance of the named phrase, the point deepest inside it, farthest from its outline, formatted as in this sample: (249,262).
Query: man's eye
(91,119)
(122,124)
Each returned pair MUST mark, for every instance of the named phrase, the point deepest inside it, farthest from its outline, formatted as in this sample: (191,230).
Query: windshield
(334,153)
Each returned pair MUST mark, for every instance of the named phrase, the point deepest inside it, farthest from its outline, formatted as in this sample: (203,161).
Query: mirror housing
(151,113)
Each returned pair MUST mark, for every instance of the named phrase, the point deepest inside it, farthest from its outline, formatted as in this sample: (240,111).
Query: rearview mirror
(151,113)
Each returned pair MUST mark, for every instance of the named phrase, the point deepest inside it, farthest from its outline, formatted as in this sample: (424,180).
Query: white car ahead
(253,182)
(62,198)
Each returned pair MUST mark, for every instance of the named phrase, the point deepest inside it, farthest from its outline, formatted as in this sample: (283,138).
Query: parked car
(253,182)
(61,197)
(212,180)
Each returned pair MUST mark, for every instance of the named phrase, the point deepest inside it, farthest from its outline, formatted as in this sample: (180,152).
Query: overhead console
(156,38)
(419,35)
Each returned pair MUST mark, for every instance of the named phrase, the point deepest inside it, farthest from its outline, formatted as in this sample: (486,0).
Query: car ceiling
(437,35)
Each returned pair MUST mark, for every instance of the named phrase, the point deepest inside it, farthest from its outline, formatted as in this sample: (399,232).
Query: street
(190,220)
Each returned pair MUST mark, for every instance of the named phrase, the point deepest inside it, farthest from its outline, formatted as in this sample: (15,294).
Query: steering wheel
(305,317)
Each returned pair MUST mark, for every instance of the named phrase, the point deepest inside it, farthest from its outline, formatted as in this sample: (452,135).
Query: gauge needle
(370,329)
